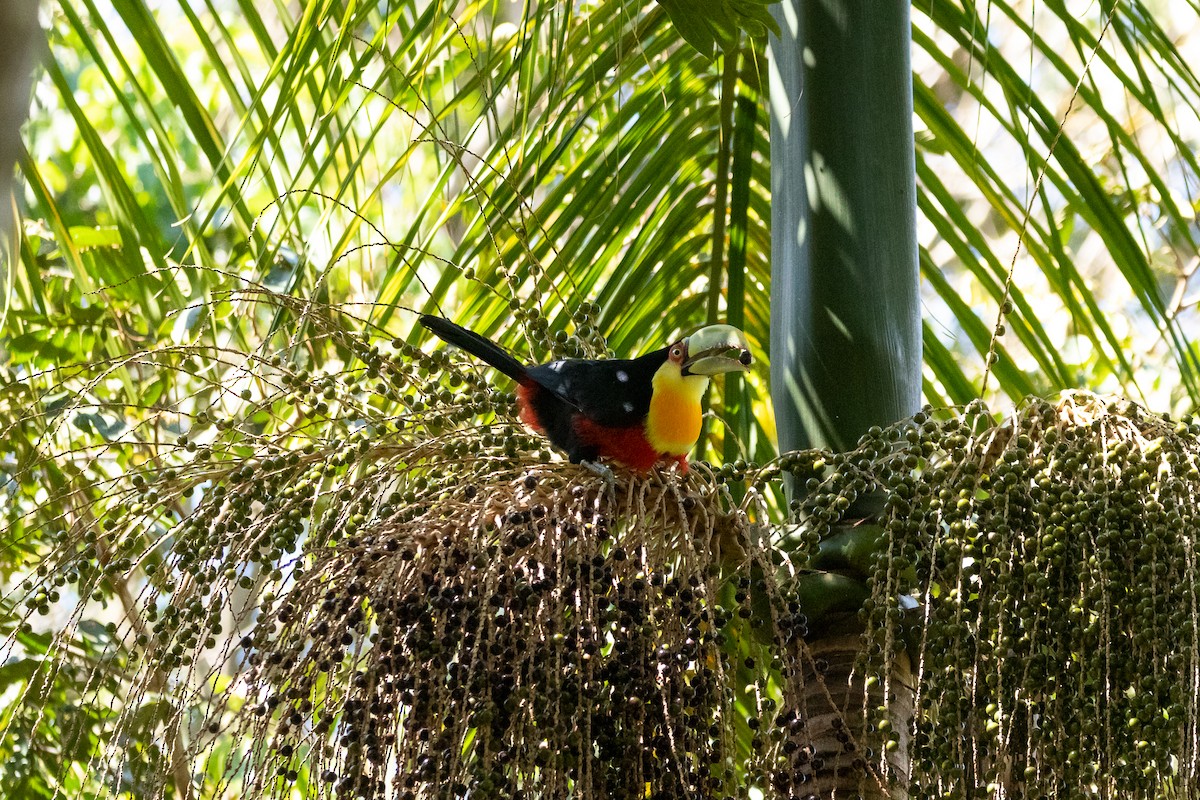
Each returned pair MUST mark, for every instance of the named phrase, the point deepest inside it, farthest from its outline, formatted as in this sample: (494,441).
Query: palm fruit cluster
(537,637)
(1041,573)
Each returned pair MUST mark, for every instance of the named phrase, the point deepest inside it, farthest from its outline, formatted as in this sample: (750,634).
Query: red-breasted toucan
(636,412)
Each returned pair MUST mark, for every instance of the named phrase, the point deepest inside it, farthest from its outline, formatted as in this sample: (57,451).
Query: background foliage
(230,207)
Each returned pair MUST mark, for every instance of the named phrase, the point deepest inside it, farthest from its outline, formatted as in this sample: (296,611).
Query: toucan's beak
(714,350)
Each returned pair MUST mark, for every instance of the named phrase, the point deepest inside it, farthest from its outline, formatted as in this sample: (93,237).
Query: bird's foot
(606,474)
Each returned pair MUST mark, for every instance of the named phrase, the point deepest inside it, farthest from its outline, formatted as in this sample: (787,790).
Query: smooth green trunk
(845,307)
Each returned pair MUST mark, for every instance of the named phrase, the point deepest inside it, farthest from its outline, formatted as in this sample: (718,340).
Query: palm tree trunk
(845,308)
(845,759)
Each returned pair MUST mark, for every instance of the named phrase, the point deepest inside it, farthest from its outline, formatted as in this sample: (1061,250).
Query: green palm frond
(1119,189)
(409,156)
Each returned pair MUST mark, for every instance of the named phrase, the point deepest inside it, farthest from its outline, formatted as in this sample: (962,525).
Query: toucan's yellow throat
(673,424)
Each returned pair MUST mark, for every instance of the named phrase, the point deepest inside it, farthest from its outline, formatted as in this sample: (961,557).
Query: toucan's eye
(676,352)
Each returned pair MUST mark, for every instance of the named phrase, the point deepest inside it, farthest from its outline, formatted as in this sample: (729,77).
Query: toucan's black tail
(476,345)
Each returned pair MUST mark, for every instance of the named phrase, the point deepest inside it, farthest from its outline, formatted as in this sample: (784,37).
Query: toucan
(635,412)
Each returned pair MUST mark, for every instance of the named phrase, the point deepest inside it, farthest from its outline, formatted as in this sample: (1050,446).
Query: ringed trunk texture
(846,758)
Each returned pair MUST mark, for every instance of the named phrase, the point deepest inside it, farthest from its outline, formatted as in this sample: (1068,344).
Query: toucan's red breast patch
(625,445)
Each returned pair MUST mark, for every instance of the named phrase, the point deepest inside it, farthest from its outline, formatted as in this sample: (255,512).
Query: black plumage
(614,392)
(576,403)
